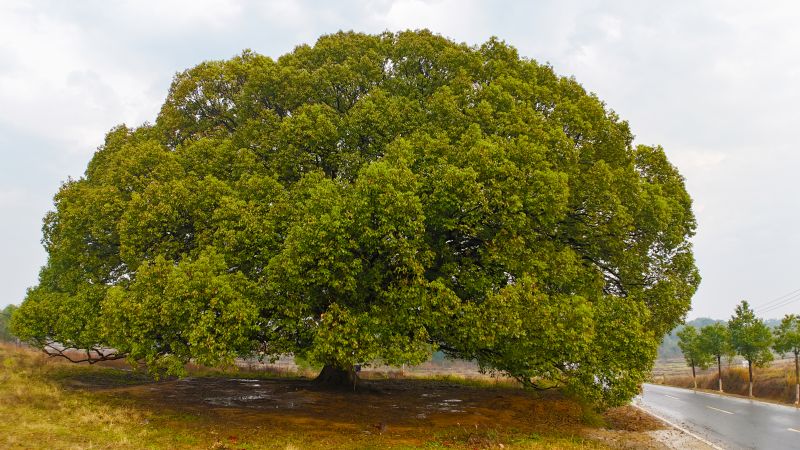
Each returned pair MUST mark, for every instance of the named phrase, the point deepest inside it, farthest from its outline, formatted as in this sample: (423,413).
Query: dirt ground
(60,405)
(387,412)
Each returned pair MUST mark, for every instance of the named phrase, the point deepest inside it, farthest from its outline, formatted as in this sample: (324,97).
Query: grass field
(47,403)
(775,383)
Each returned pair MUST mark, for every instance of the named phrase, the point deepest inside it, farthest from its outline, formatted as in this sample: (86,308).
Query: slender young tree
(689,342)
(787,339)
(751,339)
(715,340)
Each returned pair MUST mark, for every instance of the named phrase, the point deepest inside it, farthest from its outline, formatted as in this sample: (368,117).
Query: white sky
(716,83)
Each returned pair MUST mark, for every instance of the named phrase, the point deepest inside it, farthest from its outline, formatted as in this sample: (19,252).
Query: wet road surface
(727,422)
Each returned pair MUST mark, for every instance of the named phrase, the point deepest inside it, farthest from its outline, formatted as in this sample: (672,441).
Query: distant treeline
(669,346)
(5,315)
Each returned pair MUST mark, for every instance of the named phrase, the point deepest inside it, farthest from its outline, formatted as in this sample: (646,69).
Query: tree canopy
(374,198)
(715,339)
(750,337)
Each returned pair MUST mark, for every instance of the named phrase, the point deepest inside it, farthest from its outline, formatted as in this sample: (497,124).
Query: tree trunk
(719,371)
(694,377)
(337,377)
(796,379)
(750,371)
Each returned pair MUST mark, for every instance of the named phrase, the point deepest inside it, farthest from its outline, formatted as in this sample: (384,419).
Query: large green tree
(751,339)
(693,352)
(715,340)
(373,198)
(787,339)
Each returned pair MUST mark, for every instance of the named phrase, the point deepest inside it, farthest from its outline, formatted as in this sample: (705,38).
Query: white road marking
(716,394)
(792,429)
(680,428)
(671,396)
(720,410)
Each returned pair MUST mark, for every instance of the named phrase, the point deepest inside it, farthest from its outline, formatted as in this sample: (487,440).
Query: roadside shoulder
(677,437)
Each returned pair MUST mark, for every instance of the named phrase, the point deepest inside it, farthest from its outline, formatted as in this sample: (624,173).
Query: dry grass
(37,412)
(775,383)
(47,403)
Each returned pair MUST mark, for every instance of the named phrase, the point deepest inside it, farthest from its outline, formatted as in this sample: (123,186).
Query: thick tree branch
(93,355)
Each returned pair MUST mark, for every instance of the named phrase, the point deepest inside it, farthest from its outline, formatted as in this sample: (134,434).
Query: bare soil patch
(391,412)
(115,408)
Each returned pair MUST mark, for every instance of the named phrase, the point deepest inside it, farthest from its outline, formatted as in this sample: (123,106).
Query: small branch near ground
(91,355)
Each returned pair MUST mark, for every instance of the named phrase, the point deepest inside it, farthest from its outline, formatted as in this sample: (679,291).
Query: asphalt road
(726,422)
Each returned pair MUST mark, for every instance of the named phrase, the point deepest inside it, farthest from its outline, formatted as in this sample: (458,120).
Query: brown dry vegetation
(775,383)
(47,403)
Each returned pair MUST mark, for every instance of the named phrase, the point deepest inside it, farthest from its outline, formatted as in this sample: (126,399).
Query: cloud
(698,159)
(179,16)
(449,17)
(12,197)
(714,82)
(54,82)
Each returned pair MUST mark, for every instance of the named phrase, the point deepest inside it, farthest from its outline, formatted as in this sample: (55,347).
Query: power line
(777,299)
(781,304)
(777,307)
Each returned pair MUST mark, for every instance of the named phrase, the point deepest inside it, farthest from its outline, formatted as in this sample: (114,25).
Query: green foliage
(690,343)
(787,335)
(375,198)
(211,319)
(5,318)
(750,337)
(715,340)
(669,343)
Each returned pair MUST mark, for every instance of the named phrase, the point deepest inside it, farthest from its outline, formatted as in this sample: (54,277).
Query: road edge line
(679,428)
